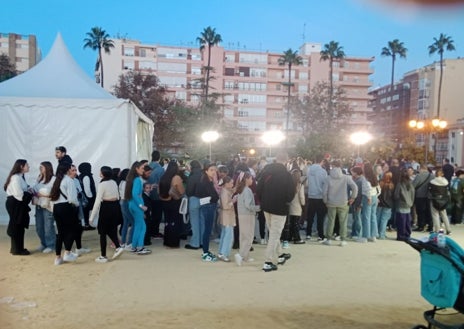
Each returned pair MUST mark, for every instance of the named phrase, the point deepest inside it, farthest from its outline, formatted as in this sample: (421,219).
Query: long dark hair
(240,184)
(405,179)
(123,175)
(131,175)
(61,171)
(165,180)
(370,175)
(17,169)
(45,178)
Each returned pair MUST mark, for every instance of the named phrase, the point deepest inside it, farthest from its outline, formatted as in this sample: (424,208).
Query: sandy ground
(373,285)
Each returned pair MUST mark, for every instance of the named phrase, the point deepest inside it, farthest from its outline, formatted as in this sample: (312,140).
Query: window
(128,51)
(146,65)
(303,75)
(143,53)
(196,70)
(128,64)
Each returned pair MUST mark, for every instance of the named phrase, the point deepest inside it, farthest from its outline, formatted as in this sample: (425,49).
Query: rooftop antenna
(304,33)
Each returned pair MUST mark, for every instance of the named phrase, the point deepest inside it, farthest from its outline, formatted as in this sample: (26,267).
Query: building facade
(22,50)
(251,84)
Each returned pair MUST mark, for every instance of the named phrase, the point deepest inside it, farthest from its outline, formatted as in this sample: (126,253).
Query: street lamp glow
(360,138)
(272,137)
(210,137)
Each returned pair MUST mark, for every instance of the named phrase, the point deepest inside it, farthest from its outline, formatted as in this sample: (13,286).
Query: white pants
(275,225)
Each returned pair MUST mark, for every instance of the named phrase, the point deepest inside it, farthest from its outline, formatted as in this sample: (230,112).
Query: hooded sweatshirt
(316,178)
(335,188)
(438,192)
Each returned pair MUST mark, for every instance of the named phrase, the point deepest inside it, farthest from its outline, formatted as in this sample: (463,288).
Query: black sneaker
(189,246)
(268,267)
(286,256)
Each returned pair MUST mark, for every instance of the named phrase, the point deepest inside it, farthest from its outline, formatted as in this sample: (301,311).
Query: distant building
(22,50)
(250,82)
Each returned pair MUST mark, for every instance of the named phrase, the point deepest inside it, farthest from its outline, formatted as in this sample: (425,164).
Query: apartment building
(22,50)
(250,83)
(416,97)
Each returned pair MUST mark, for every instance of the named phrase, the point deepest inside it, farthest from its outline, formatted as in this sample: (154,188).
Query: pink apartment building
(250,82)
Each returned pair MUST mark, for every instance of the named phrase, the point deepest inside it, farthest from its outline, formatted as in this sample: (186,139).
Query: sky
(361,27)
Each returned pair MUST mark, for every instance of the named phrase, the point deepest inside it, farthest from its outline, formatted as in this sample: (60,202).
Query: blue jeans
(226,240)
(140,228)
(127,223)
(45,227)
(383,216)
(207,215)
(196,224)
(369,217)
(356,226)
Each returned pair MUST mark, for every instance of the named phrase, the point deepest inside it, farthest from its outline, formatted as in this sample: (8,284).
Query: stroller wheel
(419,327)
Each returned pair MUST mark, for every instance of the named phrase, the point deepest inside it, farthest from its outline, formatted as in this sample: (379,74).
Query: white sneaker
(71,257)
(128,247)
(337,238)
(285,245)
(58,261)
(118,252)
(362,240)
(263,241)
(249,260)
(321,240)
(327,242)
(373,239)
(238,259)
(47,250)
(343,243)
(82,251)
(101,259)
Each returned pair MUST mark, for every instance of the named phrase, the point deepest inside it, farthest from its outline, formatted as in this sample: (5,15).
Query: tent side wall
(102,132)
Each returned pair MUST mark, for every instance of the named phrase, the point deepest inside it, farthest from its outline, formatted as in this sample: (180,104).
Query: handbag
(183,209)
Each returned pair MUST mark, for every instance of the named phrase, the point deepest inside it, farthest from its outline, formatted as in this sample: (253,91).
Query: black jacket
(275,189)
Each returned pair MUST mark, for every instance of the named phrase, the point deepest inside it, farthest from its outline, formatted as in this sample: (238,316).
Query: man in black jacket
(275,189)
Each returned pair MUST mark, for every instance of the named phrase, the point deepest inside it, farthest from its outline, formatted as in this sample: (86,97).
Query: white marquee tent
(56,103)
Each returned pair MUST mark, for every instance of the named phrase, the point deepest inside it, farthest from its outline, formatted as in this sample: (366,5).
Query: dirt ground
(373,285)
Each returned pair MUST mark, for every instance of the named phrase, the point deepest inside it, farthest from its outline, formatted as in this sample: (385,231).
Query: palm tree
(289,58)
(439,46)
(98,39)
(208,38)
(393,49)
(333,52)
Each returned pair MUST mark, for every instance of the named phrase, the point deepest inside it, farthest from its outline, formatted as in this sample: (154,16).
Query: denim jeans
(356,226)
(127,223)
(196,224)
(207,215)
(226,240)
(45,227)
(369,217)
(383,216)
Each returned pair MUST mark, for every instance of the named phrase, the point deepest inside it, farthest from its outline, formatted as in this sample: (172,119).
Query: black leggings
(109,218)
(67,224)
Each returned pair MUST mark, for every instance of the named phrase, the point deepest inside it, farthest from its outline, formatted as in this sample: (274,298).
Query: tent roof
(56,76)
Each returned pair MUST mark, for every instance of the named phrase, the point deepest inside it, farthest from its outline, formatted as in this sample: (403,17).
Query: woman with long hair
(196,224)
(439,199)
(384,209)
(404,198)
(171,190)
(133,193)
(17,207)
(44,221)
(369,205)
(127,219)
(208,197)
(65,211)
(109,213)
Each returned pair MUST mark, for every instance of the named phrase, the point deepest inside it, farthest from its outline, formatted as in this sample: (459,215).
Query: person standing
(439,200)
(109,213)
(404,198)
(196,224)
(421,201)
(17,206)
(335,196)
(448,170)
(156,204)
(275,190)
(44,221)
(133,193)
(296,208)
(387,188)
(88,189)
(317,175)
(457,195)
(226,218)
(62,156)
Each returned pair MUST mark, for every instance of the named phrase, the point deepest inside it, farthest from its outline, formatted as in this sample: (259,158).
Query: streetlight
(210,137)
(427,127)
(360,138)
(272,137)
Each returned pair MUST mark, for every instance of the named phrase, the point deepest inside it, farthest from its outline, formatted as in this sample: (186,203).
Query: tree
(393,49)
(98,39)
(439,46)
(289,58)
(332,52)
(323,121)
(7,68)
(208,38)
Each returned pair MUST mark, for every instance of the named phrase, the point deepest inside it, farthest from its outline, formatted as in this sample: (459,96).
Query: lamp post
(210,137)
(272,137)
(360,138)
(428,127)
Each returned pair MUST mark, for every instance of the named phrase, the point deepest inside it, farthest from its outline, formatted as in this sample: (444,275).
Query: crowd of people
(225,201)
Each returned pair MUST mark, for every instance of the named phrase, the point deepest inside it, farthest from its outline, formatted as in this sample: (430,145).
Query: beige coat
(226,211)
(295,208)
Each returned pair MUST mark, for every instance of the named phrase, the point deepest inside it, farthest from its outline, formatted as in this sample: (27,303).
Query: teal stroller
(442,271)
